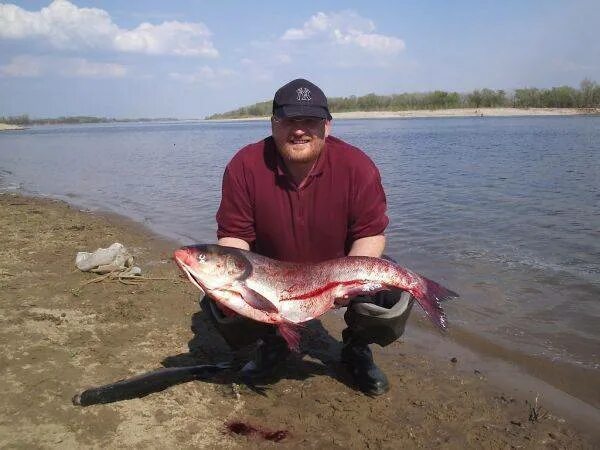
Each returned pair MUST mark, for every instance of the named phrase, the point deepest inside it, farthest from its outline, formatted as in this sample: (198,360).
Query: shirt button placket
(300,206)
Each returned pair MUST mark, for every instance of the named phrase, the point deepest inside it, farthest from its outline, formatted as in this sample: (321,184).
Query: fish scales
(287,294)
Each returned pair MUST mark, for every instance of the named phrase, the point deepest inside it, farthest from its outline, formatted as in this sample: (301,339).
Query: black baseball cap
(300,98)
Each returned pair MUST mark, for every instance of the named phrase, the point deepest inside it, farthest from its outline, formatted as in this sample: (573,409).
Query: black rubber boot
(271,351)
(358,357)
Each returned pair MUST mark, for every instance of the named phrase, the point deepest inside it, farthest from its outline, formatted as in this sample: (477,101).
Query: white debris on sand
(115,258)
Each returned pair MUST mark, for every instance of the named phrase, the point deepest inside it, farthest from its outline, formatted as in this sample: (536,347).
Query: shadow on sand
(211,360)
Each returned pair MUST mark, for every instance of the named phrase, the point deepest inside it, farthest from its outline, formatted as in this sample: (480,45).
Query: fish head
(210,266)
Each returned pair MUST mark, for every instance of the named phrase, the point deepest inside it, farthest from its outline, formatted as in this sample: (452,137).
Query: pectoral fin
(256,300)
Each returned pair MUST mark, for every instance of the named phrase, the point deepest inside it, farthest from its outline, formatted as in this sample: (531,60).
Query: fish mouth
(188,271)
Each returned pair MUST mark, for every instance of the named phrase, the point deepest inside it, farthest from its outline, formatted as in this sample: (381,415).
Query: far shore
(467,112)
(460,112)
(9,127)
(407,114)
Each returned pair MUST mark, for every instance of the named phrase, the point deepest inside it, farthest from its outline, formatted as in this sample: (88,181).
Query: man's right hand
(234,242)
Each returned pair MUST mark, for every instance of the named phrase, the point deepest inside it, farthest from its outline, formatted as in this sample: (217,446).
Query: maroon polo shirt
(341,201)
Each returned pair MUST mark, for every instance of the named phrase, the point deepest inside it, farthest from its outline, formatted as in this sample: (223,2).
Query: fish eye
(202,258)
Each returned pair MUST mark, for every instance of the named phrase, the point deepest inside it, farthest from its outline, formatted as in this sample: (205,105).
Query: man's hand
(368,246)
(234,242)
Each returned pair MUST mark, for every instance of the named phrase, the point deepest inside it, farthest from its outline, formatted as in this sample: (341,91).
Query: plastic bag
(104,260)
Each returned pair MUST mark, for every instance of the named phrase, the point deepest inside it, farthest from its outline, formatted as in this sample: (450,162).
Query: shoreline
(354,115)
(580,383)
(113,329)
(468,112)
(460,112)
(10,127)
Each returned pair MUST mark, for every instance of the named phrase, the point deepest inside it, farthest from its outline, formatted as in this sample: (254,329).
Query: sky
(188,59)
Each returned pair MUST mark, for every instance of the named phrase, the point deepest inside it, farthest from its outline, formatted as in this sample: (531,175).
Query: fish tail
(290,331)
(429,294)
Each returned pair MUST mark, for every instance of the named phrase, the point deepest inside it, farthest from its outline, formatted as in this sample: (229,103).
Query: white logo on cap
(303,94)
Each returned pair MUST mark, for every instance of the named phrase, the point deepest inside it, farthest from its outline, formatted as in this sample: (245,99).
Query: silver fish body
(287,294)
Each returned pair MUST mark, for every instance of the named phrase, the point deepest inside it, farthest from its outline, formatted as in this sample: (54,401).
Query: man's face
(300,139)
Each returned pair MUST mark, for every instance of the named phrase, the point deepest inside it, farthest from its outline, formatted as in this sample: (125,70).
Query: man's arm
(234,242)
(368,246)
(235,216)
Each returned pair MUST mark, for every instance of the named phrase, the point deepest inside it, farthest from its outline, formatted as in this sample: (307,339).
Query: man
(302,195)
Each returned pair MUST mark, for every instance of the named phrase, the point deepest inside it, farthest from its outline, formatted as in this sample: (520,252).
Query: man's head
(301,121)
(300,98)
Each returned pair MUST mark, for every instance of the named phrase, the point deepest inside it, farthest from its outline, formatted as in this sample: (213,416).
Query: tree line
(587,96)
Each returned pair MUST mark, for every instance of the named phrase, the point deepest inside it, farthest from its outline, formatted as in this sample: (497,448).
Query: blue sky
(188,59)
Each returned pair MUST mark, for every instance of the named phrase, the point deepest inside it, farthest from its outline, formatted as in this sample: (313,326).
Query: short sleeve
(368,205)
(235,217)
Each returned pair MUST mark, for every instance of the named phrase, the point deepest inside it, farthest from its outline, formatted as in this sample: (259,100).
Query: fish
(287,294)
(147,383)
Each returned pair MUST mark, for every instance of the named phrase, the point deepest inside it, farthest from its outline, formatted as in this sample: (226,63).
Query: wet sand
(59,338)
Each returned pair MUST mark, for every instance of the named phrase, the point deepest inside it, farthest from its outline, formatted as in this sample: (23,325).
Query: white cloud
(317,24)
(345,28)
(325,42)
(205,75)
(36,66)
(79,67)
(22,66)
(65,26)
(177,38)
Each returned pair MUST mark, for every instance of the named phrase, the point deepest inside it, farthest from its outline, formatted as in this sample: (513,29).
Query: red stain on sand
(245,429)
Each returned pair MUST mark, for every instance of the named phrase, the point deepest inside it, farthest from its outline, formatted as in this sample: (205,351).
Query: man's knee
(381,320)
(238,331)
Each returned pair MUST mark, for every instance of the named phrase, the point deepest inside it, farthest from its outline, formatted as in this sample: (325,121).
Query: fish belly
(302,310)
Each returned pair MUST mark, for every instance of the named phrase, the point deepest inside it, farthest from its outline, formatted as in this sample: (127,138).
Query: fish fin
(438,291)
(290,331)
(429,294)
(257,300)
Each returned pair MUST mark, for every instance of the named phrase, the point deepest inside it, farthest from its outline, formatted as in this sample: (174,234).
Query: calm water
(506,211)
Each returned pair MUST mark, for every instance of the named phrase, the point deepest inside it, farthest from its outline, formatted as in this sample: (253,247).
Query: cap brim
(302,111)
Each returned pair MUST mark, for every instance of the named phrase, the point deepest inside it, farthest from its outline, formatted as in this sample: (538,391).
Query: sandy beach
(8,127)
(460,112)
(60,336)
(465,112)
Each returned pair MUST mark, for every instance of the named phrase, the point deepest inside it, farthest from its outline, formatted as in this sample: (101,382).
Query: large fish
(286,294)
